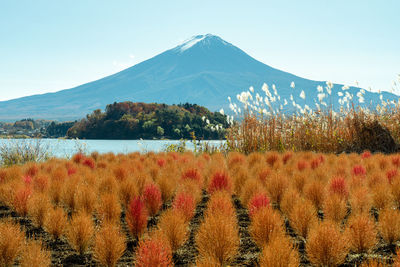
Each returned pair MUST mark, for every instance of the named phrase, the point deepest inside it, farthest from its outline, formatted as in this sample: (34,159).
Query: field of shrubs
(166,209)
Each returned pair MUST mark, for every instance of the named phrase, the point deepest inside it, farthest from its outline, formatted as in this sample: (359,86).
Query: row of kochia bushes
(334,205)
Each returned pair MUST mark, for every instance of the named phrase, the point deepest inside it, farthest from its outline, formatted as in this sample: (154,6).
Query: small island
(128,120)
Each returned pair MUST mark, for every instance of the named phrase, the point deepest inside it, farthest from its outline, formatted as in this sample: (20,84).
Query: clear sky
(48,45)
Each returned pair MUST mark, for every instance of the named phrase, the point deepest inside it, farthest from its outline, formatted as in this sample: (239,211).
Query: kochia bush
(220,181)
(136,217)
(152,198)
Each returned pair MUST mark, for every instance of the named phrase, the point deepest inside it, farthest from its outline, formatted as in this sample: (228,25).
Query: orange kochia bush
(312,194)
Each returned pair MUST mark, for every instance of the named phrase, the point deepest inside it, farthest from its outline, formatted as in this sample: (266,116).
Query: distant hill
(204,70)
(127,120)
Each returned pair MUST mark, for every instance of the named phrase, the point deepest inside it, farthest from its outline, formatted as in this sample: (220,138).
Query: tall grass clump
(265,225)
(56,223)
(362,234)
(389,225)
(33,254)
(80,232)
(24,150)
(218,239)
(318,126)
(174,227)
(11,242)
(279,252)
(109,245)
(326,245)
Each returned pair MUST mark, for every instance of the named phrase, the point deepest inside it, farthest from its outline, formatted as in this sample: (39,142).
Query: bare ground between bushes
(63,254)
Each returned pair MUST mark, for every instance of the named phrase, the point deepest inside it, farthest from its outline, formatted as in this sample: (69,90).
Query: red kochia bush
(366,154)
(161,162)
(338,186)
(220,181)
(77,158)
(192,174)
(257,202)
(89,162)
(396,161)
(27,179)
(390,175)
(136,217)
(286,157)
(301,165)
(152,198)
(32,170)
(71,170)
(154,252)
(184,202)
(359,170)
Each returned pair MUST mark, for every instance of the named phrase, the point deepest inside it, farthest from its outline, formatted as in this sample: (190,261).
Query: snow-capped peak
(191,42)
(207,38)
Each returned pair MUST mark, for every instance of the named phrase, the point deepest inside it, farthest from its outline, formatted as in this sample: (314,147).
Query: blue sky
(46,46)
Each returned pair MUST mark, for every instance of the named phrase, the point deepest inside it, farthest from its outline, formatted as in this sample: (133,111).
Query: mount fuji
(204,70)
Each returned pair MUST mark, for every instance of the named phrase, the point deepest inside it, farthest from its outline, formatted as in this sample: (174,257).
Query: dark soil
(186,255)
(248,250)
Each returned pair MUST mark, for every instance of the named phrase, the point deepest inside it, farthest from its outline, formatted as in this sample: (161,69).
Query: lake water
(68,147)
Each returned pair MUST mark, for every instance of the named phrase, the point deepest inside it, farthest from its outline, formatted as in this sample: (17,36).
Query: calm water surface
(67,147)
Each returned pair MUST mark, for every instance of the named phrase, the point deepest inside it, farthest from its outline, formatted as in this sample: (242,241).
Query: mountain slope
(204,70)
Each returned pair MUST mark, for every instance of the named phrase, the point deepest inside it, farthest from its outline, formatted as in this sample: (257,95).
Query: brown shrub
(218,239)
(389,225)
(360,201)
(334,208)
(190,187)
(240,176)
(127,190)
(173,226)
(299,180)
(276,187)
(207,262)
(382,197)
(279,252)
(80,232)
(326,245)
(85,199)
(11,242)
(109,209)
(289,199)
(34,254)
(250,188)
(266,224)
(69,191)
(395,189)
(108,184)
(55,191)
(303,217)
(220,203)
(315,192)
(56,222)
(167,187)
(21,198)
(109,245)
(38,209)
(361,233)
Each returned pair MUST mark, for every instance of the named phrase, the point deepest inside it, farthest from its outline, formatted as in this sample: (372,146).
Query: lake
(68,147)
